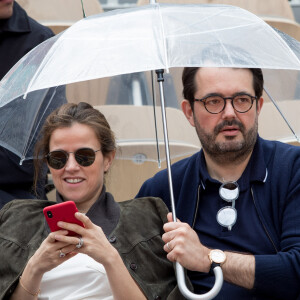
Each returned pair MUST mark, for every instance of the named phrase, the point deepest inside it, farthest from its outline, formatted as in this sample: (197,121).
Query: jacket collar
(17,23)
(256,170)
(186,200)
(105,212)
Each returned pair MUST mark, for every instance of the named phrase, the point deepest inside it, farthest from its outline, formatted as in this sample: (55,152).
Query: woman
(118,254)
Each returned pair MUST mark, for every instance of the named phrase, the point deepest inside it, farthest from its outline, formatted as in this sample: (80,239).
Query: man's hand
(184,246)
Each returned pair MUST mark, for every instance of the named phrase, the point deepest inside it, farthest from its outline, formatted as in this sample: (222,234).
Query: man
(259,231)
(18,35)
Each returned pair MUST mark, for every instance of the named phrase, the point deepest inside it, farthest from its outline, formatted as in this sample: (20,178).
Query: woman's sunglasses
(84,156)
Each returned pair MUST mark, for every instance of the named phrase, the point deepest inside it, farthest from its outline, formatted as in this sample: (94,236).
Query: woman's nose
(71,163)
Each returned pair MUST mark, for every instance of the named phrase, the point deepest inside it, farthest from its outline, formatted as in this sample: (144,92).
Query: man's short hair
(189,83)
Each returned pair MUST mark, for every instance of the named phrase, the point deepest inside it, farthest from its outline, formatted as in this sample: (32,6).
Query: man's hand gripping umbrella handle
(179,269)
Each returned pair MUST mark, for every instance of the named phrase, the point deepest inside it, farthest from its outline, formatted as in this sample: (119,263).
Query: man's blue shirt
(247,234)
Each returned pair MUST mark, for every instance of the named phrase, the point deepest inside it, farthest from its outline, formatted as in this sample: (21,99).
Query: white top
(79,278)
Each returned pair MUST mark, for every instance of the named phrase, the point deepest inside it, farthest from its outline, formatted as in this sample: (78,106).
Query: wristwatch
(217,257)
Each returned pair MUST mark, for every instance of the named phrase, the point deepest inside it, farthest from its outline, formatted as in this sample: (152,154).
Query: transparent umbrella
(147,38)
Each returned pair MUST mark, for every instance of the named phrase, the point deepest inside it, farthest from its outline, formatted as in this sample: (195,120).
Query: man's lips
(230,130)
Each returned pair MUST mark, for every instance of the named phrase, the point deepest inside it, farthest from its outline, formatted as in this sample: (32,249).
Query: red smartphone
(65,212)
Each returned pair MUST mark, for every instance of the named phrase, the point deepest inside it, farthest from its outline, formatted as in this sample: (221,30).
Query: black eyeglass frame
(203,100)
(67,154)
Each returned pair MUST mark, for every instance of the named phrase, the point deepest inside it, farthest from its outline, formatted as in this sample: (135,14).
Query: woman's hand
(48,255)
(95,243)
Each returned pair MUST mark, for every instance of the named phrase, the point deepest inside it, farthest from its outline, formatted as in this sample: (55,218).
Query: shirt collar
(257,166)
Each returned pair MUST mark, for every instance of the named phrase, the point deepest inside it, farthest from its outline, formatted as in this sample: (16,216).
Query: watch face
(217,256)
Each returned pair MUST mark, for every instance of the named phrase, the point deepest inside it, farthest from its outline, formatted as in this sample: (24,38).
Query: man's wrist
(217,257)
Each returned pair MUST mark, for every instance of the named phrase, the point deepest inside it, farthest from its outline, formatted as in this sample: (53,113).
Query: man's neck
(225,168)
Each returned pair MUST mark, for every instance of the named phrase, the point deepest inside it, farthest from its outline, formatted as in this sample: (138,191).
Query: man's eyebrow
(242,93)
(222,95)
(211,95)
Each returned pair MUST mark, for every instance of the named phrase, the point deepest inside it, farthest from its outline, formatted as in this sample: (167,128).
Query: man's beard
(230,151)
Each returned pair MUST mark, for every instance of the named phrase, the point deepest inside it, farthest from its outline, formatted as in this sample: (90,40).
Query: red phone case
(65,212)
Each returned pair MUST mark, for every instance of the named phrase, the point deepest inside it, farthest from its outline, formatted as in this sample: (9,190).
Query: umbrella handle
(191,296)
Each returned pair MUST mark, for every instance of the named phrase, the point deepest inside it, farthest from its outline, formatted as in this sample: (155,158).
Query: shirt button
(157,298)
(112,239)
(133,266)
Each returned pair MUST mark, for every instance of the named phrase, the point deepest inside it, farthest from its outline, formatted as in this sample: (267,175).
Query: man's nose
(229,111)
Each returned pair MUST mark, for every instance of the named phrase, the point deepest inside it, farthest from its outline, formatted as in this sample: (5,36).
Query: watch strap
(212,266)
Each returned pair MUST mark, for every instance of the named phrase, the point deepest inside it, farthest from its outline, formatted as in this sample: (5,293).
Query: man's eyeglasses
(84,156)
(215,104)
(226,216)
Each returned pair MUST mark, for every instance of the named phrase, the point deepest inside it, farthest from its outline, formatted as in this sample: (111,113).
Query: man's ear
(259,106)
(188,112)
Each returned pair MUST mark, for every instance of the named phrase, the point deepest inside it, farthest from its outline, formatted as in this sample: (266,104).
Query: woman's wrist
(112,258)
(32,293)
(31,278)
(33,267)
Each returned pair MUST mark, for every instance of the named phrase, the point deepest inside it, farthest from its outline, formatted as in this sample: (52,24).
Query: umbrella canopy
(157,36)
(150,37)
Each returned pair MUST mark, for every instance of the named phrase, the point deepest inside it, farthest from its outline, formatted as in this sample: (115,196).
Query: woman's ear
(108,159)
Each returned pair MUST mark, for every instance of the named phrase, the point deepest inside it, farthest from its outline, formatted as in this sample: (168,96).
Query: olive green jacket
(137,237)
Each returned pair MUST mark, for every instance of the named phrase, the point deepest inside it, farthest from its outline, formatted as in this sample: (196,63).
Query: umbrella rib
(42,65)
(155,119)
(213,30)
(37,126)
(198,23)
(281,40)
(281,113)
(201,20)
